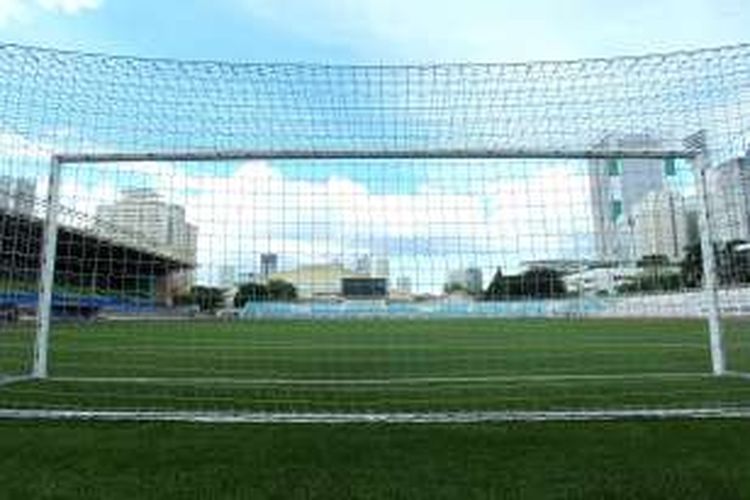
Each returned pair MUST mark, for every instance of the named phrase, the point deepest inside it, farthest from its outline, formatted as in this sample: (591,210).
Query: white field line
(735,374)
(8,380)
(229,417)
(380,381)
(252,348)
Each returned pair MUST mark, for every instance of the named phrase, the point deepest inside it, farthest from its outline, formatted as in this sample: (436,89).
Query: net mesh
(412,273)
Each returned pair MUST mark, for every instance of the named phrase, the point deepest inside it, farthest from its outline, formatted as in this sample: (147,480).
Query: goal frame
(695,153)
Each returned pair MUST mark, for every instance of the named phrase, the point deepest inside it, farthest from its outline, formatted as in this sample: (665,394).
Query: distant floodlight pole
(47,275)
(697,143)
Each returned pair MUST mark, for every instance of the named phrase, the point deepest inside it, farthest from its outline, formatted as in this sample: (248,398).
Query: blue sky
(374,30)
(429,220)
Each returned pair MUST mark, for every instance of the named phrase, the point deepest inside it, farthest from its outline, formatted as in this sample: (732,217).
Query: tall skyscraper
(363,265)
(617,187)
(382,268)
(474,280)
(660,225)
(17,195)
(728,186)
(269,264)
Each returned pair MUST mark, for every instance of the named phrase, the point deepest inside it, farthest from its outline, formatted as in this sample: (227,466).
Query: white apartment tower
(17,195)
(142,211)
(381,268)
(617,187)
(469,279)
(363,265)
(728,186)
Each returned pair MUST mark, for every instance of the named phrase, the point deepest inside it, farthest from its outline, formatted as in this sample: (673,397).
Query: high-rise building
(660,225)
(363,265)
(617,187)
(382,268)
(227,276)
(728,188)
(692,220)
(143,213)
(474,280)
(469,279)
(403,285)
(269,264)
(17,195)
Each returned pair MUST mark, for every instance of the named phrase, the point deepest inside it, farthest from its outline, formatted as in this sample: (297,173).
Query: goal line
(381,381)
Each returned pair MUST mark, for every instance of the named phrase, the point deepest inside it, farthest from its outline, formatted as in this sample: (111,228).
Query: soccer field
(377,366)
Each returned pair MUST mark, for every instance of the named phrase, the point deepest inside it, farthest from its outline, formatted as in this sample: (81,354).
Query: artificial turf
(378,365)
(634,460)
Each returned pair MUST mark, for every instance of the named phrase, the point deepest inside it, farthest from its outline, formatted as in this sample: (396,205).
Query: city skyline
(423,278)
(426,271)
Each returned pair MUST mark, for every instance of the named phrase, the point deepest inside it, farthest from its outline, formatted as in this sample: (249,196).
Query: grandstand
(94,269)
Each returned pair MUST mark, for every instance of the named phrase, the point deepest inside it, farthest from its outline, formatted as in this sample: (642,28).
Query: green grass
(628,460)
(382,365)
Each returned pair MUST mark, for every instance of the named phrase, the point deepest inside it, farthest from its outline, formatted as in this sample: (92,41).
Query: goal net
(207,240)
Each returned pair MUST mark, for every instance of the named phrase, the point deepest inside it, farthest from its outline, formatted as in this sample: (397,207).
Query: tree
(654,261)
(732,264)
(250,292)
(537,283)
(691,267)
(281,290)
(543,283)
(498,286)
(652,282)
(454,287)
(278,290)
(207,298)
(657,274)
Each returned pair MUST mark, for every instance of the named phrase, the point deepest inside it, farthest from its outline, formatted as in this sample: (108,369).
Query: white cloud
(24,11)
(257,209)
(499,218)
(11,11)
(15,145)
(70,6)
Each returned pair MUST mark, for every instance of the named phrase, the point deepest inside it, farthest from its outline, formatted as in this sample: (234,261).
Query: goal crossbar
(376,154)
